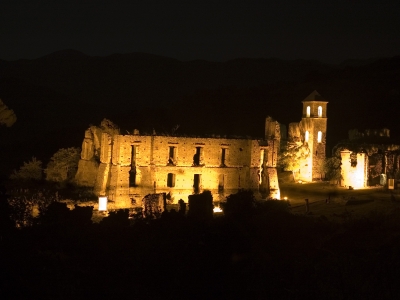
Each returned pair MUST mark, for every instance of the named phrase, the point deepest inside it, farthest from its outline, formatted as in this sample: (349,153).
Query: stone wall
(354,172)
(132,166)
(88,165)
(127,167)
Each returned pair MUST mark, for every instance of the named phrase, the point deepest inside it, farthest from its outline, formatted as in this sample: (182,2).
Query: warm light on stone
(354,176)
(103,203)
(217,209)
(126,168)
(275,194)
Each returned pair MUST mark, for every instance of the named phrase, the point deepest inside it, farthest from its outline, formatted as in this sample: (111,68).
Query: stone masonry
(125,168)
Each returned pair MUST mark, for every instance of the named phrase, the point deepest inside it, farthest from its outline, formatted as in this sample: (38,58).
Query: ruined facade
(369,158)
(354,169)
(125,168)
(132,166)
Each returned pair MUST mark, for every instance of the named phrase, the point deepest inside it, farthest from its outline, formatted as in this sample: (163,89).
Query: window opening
(132,172)
(261,167)
(319,136)
(132,178)
(320,111)
(133,155)
(223,157)
(171,180)
(221,183)
(172,155)
(308,111)
(196,157)
(307,135)
(196,183)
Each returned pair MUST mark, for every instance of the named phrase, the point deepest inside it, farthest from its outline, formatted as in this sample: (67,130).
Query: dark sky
(329,31)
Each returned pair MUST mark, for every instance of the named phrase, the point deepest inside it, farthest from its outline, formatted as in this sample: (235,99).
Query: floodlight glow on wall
(103,203)
(357,179)
(217,209)
(276,194)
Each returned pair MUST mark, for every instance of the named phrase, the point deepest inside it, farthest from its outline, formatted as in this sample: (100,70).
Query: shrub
(243,202)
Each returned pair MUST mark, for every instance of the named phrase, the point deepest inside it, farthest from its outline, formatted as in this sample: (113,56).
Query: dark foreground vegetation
(256,250)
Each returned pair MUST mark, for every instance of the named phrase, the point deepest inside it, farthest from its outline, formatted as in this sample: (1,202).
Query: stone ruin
(125,168)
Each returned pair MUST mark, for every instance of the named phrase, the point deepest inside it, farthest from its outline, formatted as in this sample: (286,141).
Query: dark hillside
(66,91)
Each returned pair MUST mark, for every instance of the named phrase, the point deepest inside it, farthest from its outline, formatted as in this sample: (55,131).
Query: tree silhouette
(7,116)
(241,203)
(63,164)
(332,168)
(31,170)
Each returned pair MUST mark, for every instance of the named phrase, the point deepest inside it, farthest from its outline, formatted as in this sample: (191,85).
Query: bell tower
(313,128)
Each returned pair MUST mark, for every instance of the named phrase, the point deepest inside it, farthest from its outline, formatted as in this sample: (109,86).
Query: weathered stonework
(311,131)
(132,166)
(87,172)
(354,173)
(369,158)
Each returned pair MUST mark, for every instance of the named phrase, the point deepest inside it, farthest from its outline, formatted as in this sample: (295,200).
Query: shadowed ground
(343,203)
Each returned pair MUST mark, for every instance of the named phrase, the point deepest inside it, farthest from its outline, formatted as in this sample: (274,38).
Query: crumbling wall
(274,191)
(294,134)
(96,148)
(132,166)
(225,165)
(269,174)
(273,138)
(88,165)
(87,173)
(354,173)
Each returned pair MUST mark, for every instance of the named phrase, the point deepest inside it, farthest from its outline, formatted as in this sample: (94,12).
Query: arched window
(308,111)
(319,136)
(307,136)
(319,111)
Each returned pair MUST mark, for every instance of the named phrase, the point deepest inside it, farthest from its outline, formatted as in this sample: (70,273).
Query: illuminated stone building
(125,168)
(369,158)
(311,131)
(354,169)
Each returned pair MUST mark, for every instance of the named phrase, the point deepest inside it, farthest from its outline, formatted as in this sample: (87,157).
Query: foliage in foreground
(27,198)
(7,115)
(244,203)
(332,168)
(291,156)
(266,256)
(31,170)
(63,165)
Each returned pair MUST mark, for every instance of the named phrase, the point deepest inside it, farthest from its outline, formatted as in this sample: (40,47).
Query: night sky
(212,30)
